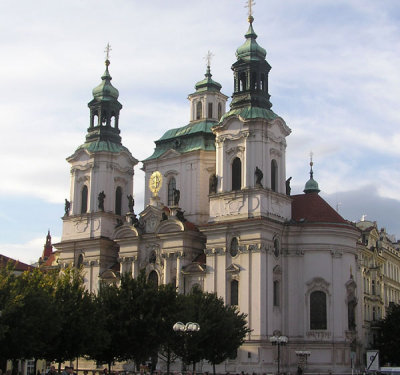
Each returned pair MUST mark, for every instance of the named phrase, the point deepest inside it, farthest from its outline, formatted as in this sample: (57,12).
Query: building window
(351,315)
(171,187)
(242,82)
(199,110)
(236,174)
(274,175)
(210,110)
(373,287)
(84,199)
(276,293)
(219,111)
(234,247)
(318,318)
(234,292)
(118,201)
(153,278)
(276,247)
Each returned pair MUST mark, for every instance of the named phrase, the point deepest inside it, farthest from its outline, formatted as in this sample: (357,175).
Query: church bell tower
(250,144)
(101,187)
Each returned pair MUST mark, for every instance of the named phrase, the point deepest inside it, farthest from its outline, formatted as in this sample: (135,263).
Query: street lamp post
(186,329)
(279,340)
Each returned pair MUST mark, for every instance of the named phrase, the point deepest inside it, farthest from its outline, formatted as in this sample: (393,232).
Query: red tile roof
(312,208)
(19,266)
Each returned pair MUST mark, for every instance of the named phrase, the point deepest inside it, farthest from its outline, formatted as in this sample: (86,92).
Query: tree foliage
(389,339)
(51,316)
(222,329)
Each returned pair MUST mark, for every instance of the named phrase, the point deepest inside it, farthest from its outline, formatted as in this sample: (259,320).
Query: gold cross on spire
(107,51)
(208,57)
(311,156)
(250,4)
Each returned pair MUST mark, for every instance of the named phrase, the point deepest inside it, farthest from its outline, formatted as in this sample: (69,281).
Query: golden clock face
(155,182)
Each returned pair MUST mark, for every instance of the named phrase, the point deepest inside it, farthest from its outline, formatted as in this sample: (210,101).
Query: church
(219,215)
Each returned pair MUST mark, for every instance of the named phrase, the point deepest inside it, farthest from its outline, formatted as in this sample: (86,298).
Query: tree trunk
(34,366)
(213,368)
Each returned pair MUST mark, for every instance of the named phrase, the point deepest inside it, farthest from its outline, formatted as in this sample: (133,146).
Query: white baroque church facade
(219,215)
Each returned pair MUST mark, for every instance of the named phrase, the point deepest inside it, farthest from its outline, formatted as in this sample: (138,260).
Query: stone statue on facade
(288,188)
(131,202)
(101,198)
(259,176)
(180,216)
(213,184)
(67,207)
(177,196)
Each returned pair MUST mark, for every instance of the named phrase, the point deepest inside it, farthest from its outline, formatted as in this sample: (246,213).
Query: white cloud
(334,79)
(28,252)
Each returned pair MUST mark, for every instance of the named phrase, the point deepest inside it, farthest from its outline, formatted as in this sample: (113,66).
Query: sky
(335,80)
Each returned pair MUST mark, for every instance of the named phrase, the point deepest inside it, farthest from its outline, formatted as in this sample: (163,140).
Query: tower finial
(250,4)
(311,163)
(208,58)
(107,51)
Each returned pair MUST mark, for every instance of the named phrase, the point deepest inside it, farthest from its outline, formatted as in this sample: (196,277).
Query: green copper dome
(250,50)
(311,184)
(105,91)
(207,84)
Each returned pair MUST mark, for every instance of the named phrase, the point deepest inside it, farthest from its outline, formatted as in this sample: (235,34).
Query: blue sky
(335,79)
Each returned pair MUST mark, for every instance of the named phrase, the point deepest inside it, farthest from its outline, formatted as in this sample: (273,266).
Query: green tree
(222,329)
(389,338)
(74,325)
(105,347)
(141,315)
(27,311)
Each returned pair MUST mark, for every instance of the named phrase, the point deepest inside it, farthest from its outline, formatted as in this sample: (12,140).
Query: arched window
(219,111)
(234,292)
(254,81)
(153,278)
(84,199)
(276,293)
(171,187)
(276,247)
(351,315)
(262,82)
(236,174)
(274,175)
(118,201)
(210,110)
(242,82)
(199,111)
(318,318)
